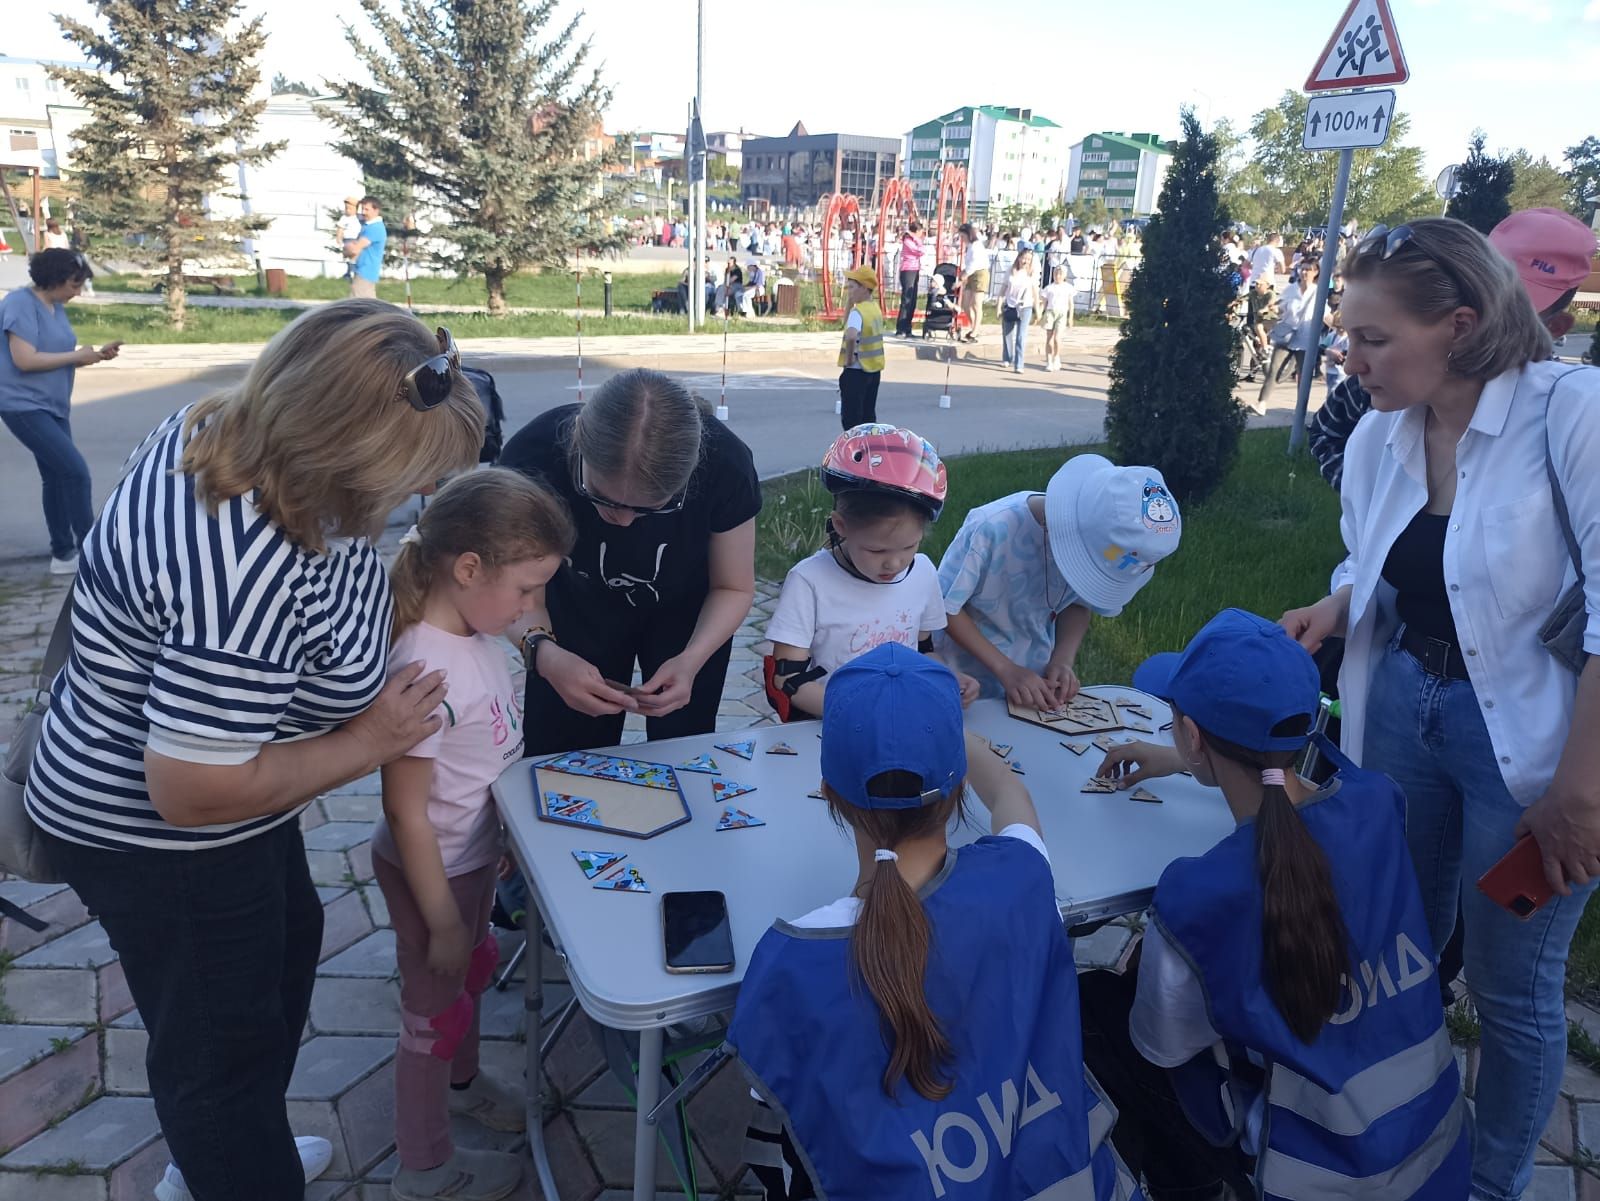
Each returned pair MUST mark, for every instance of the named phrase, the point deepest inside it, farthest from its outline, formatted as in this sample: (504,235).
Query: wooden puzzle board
(632,810)
(1083,714)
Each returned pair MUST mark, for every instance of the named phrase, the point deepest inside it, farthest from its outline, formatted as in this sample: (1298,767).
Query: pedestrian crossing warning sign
(1364,51)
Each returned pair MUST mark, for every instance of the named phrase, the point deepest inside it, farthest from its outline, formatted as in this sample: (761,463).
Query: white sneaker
(315,1156)
(64,566)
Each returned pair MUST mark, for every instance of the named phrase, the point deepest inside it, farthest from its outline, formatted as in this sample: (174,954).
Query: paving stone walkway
(77,1123)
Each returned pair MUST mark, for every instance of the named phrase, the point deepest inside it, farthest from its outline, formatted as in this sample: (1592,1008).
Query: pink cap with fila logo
(1552,251)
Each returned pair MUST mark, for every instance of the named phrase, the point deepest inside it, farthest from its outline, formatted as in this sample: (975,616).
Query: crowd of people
(239,647)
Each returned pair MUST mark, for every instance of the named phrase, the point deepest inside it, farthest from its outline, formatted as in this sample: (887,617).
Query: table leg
(644,1133)
(533,1008)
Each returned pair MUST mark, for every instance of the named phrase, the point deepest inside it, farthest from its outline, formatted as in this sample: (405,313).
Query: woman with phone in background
(39,357)
(919,1040)
(1457,557)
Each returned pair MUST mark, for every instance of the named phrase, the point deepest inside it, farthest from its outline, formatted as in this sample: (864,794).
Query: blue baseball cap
(1238,678)
(893,709)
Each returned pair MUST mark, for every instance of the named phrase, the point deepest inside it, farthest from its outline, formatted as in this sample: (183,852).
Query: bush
(1173,372)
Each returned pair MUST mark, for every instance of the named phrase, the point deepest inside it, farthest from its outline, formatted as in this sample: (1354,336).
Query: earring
(1450,362)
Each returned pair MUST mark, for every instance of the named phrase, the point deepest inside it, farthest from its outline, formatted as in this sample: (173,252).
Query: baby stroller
(944,300)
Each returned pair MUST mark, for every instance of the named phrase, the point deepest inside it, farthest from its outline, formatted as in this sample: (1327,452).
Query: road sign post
(1364,51)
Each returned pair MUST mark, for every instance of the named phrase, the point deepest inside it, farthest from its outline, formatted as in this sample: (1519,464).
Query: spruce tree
(1173,371)
(173,111)
(488,124)
(1483,188)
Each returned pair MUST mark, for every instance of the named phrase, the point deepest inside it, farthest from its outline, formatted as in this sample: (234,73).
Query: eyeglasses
(428,385)
(672,506)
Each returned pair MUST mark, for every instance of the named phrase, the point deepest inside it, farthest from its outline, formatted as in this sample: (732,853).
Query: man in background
(366,252)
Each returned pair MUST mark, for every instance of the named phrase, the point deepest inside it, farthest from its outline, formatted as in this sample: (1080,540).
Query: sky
(1526,71)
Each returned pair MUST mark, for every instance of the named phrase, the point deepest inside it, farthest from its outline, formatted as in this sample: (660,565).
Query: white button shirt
(1505,560)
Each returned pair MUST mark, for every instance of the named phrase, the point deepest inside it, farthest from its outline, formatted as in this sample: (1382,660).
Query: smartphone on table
(695,931)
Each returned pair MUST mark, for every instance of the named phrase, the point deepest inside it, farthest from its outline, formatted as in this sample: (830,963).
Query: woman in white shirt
(1456,559)
(1294,333)
(1016,311)
(974,280)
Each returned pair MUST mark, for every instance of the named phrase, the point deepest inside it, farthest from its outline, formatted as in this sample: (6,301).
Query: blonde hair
(644,427)
(497,514)
(320,428)
(1447,265)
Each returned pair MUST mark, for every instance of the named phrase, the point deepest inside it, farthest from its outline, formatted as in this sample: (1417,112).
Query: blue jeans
(68,507)
(220,949)
(1014,335)
(1427,733)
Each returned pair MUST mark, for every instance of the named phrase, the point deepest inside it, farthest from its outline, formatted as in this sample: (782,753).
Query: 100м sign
(1348,120)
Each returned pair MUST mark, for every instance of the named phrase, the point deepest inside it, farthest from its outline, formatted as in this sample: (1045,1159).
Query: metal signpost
(1363,51)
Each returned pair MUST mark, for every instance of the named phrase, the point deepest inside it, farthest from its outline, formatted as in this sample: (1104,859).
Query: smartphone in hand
(1517,882)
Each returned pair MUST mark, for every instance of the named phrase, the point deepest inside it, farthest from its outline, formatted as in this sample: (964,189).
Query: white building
(27,96)
(1122,171)
(728,146)
(1012,156)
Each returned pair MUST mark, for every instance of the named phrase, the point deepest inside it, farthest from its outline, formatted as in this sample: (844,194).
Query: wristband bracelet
(530,647)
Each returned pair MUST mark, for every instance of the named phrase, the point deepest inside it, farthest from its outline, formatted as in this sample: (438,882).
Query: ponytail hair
(497,514)
(1305,945)
(890,944)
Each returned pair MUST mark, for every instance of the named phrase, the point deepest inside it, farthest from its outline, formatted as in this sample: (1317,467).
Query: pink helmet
(886,458)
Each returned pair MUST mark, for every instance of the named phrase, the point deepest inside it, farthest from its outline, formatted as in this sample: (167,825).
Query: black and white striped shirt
(202,636)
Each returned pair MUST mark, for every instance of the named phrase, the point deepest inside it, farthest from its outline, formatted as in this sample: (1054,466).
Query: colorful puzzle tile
(1077,748)
(781,748)
(595,863)
(737,819)
(723,789)
(701,763)
(744,748)
(1000,748)
(1144,794)
(627,880)
(564,807)
(1104,741)
(1017,767)
(1099,784)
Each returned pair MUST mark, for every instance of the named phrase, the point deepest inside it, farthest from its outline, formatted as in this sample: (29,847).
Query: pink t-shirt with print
(481,736)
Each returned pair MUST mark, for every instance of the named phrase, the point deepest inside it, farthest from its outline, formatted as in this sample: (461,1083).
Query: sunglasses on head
(428,385)
(1386,243)
(583,490)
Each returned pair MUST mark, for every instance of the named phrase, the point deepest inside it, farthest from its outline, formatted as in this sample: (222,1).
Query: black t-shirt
(662,560)
(1415,568)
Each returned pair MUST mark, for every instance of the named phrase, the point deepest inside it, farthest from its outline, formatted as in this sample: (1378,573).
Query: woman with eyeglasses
(230,638)
(1453,494)
(39,356)
(664,497)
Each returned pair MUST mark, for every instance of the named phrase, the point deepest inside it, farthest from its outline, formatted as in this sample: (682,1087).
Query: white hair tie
(1273,775)
(883,856)
(412,537)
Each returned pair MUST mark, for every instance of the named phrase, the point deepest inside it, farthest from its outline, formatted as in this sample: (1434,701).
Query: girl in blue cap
(1287,977)
(953,1064)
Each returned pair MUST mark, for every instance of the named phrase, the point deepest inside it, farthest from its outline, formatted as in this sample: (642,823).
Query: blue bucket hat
(893,709)
(1239,678)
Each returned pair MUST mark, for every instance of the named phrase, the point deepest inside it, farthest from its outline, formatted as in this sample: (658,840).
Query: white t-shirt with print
(1058,297)
(839,617)
(1000,570)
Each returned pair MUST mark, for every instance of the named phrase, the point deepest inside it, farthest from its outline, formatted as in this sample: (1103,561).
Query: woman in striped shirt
(229,642)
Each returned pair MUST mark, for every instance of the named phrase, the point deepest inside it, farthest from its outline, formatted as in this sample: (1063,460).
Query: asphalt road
(785,415)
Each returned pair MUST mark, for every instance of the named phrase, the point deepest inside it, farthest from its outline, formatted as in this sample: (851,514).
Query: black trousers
(858,390)
(908,301)
(220,951)
(1152,1134)
(614,637)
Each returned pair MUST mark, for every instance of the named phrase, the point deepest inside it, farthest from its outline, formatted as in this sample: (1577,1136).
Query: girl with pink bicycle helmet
(869,584)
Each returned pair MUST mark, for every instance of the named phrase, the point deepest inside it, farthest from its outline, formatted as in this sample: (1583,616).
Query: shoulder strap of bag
(1560,500)
(55,654)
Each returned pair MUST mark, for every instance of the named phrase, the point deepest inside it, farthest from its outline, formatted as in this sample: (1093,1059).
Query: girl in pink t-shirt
(475,563)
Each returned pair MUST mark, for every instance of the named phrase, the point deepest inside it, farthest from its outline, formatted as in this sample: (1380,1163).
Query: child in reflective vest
(1287,978)
(480,554)
(919,1039)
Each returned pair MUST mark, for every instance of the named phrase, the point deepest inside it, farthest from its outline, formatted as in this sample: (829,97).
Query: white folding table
(1106,850)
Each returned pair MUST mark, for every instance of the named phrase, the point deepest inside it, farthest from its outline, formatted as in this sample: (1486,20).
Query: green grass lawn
(1265,541)
(148,324)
